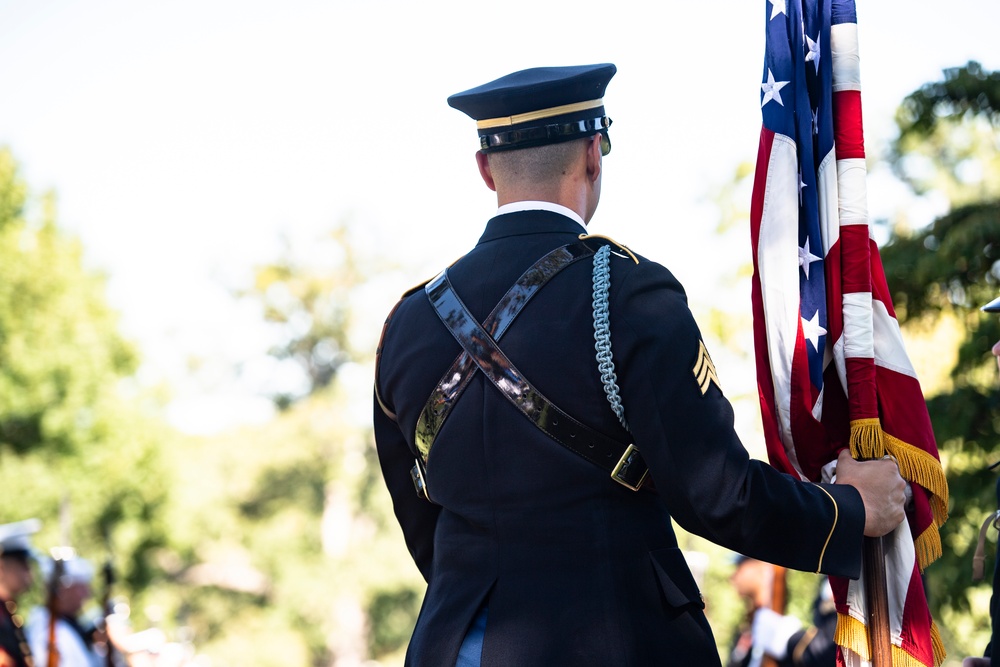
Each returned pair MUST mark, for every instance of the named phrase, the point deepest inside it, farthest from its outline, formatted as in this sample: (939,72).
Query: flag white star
(815,121)
(811,330)
(802,185)
(777,7)
(771,88)
(813,55)
(806,258)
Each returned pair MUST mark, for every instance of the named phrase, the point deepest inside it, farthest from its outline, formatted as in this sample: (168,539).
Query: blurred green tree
(75,450)
(306,295)
(949,136)
(284,547)
(286,542)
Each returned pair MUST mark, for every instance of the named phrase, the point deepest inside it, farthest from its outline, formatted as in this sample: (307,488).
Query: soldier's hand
(882,490)
(976,662)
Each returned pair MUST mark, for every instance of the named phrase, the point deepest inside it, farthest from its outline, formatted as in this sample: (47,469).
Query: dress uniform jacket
(14,651)
(574,568)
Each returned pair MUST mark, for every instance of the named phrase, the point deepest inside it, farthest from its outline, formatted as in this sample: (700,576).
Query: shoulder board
(623,248)
(413,290)
(378,350)
(419,286)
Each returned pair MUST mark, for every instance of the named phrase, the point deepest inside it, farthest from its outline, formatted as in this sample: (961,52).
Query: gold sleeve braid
(836,516)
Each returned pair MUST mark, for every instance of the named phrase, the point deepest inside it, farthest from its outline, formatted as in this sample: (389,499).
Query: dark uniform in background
(767,635)
(562,564)
(994,307)
(813,646)
(16,578)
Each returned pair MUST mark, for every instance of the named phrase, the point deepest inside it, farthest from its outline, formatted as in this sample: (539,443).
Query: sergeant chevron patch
(704,370)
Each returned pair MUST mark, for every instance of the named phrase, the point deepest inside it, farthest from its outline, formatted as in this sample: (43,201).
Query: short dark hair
(20,555)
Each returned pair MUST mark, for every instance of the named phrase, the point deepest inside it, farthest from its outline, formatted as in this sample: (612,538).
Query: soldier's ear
(594,158)
(483,160)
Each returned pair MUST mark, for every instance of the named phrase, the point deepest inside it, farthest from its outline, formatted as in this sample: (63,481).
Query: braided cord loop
(602,331)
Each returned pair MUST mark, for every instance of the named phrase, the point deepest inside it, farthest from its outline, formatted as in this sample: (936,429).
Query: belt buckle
(632,456)
(419,480)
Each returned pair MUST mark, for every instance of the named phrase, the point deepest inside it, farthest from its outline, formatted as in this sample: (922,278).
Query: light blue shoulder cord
(602,331)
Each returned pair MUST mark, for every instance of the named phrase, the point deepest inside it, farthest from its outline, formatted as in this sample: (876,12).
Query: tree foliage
(307,299)
(74,451)
(948,270)
(947,136)
(289,527)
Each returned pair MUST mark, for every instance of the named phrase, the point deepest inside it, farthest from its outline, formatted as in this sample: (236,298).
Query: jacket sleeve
(417,517)
(683,425)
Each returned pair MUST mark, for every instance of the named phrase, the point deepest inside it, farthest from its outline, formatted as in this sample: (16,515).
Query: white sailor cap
(15,538)
(75,570)
(992,307)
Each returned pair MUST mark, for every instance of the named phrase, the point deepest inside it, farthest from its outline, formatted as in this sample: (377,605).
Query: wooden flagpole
(877,603)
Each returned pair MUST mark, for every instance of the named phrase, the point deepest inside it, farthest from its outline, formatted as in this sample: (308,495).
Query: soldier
(16,578)
(772,638)
(992,307)
(546,490)
(74,639)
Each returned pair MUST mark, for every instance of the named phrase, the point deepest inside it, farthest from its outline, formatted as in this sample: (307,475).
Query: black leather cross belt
(480,350)
(457,377)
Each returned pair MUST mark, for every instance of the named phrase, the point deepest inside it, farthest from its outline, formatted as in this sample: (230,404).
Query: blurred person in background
(769,637)
(16,578)
(992,307)
(74,637)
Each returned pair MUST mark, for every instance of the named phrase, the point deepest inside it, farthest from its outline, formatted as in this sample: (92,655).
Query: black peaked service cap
(542,105)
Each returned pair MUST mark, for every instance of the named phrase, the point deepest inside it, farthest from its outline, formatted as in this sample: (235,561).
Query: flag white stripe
(846,60)
(778,263)
(853,191)
(826,184)
(900,559)
(858,335)
(889,350)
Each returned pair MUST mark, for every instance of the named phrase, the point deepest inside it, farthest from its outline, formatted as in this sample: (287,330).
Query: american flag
(832,370)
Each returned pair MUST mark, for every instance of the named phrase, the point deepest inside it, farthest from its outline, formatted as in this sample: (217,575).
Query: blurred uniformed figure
(780,637)
(992,307)
(544,535)
(74,637)
(16,578)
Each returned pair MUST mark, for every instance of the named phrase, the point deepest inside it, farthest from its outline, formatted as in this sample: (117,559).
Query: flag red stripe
(848,131)
(861,394)
(854,260)
(915,632)
(880,287)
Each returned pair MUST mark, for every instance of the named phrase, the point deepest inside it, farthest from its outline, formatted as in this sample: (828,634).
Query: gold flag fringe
(927,546)
(916,465)
(869,441)
(939,653)
(853,635)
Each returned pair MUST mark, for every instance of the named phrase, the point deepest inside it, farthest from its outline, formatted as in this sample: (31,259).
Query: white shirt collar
(531,205)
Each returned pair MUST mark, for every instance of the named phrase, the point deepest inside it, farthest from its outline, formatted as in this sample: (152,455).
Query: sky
(185,139)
